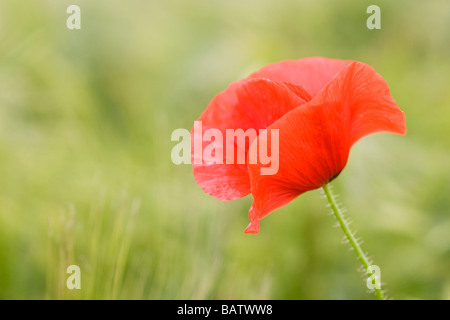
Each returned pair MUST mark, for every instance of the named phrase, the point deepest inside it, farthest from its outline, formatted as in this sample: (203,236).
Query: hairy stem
(351,237)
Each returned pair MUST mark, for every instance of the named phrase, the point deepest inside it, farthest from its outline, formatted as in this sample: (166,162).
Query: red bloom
(320,107)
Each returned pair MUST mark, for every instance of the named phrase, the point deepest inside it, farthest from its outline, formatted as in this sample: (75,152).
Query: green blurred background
(86,176)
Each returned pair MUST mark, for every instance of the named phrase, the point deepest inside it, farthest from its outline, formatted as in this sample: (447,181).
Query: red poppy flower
(320,107)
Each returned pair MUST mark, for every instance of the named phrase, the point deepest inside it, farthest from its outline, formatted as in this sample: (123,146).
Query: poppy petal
(247,104)
(313,74)
(315,138)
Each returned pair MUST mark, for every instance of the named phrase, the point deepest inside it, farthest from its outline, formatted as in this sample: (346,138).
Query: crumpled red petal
(251,103)
(315,138)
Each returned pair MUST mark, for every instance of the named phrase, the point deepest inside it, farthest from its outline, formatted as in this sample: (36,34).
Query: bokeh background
(86,176)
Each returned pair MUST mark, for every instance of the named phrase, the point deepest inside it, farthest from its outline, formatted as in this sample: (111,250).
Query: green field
(86,176)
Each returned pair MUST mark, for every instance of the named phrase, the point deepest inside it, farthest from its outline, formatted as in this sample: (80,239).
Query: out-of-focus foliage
(86,176)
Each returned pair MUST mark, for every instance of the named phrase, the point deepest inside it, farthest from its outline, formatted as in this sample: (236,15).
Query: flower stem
(351,237)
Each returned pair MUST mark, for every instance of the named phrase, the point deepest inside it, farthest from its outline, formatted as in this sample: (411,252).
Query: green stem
(351,237)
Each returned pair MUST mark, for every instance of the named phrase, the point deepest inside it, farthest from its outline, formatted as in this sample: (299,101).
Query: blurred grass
(86,175)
